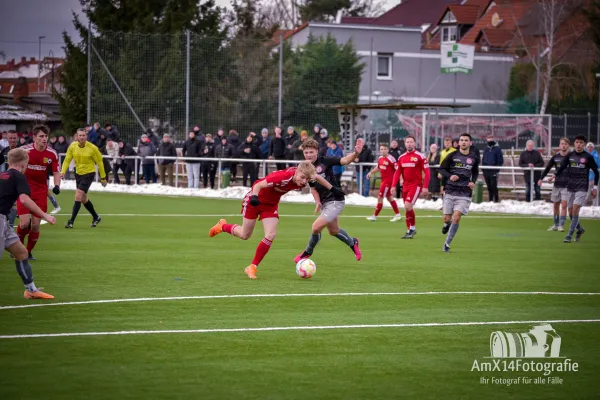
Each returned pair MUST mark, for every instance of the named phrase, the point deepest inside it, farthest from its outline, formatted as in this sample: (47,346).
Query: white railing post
(135,169)
(176,166)
(531,183)
(360,179)
(219,174)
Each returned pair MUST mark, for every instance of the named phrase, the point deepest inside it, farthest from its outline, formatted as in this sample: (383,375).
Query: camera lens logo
(541,341)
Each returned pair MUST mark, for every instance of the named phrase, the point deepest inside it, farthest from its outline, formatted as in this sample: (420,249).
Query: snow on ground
(238,192)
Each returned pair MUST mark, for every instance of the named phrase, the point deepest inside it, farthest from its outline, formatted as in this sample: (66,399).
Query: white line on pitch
(296,328)
(247,296)
(305,216)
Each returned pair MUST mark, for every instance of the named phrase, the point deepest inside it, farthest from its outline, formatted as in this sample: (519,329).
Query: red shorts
(262,211)
(39,198)
(384,189)
(410,194)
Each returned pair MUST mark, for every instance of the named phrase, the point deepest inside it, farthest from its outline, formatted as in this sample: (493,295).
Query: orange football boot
(38,294)
(251,271)
(218,228)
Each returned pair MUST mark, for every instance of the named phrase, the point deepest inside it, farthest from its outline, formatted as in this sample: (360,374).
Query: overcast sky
(22,22)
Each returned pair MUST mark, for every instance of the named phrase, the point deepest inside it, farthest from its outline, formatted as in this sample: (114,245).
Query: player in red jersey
(262,203)
(386,165)
(414,169)
(41,159)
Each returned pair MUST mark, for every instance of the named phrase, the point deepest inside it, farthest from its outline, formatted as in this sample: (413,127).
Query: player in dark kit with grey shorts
(13,186)
(330,202)
(578,164)
(461,169)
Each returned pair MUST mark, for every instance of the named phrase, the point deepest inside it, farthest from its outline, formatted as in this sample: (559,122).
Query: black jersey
(561,180)
(466,167)
(579,165)
(324,166)
(12,185)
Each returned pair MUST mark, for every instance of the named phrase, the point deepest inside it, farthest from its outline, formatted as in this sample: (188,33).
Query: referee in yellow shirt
(86,156)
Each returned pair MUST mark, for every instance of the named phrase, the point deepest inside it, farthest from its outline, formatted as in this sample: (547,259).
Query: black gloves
(56,190)
(254,200)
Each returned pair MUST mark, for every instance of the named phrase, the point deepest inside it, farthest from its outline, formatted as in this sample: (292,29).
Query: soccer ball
(306,268)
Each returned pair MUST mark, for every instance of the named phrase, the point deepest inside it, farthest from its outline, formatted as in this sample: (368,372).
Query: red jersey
(40,162)
(387,167)
(280,182)
(412,165)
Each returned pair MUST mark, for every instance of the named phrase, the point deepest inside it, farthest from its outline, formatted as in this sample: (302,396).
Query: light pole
(51,55)
(598,121)
(39,59)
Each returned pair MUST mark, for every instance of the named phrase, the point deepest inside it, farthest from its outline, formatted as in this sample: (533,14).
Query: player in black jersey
(13,186)
(579,164)
(560,194)
(461,170)
(330,202)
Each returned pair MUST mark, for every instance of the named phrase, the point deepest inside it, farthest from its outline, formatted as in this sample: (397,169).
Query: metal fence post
(264,168)
(219,174)
(279,111)
(565,127)
(187,84)
(360,179)
(89,73)
(136,159)
(589,126)
(531,183)
(176,166)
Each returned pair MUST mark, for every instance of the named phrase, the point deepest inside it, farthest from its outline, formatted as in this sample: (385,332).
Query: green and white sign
(457,58)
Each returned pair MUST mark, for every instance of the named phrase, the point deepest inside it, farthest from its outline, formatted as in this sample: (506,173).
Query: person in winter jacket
(112,150)
(366,156)
(199,135)
(209,168)
(166,166)
(324,136)
(317,132)
(528,159)
(256,139)
(111,131)
(224,150)
(126,150)
(153,138)
(265,146)
(297,146)
(289,139)
(193,149)
(590,148)
(492,157)
(147,149)
(248,150)
(335,151)
(277,149)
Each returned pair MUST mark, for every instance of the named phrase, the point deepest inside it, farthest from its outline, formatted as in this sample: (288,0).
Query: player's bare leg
(397,215)
(410,221)
(243,231)
(270,229)
(334,230)
(20,254)
(563,216)
(453,229)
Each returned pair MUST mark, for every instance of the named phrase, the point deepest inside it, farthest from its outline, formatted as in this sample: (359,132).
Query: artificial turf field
(143,253)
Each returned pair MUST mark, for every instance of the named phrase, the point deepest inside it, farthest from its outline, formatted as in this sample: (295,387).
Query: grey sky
(23,21)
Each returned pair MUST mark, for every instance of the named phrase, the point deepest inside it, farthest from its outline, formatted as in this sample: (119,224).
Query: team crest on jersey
(319,169)
(47,160)
(469,161)
(582,161)
(414,159)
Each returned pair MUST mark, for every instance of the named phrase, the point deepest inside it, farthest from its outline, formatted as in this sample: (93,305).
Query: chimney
(32,60)
(21,89)
(23,60)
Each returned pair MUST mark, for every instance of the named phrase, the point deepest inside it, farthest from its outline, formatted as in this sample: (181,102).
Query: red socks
(378,208)
(228,228)
(22,232)
(32,241)
(261,251)
(395,207)
(411,218)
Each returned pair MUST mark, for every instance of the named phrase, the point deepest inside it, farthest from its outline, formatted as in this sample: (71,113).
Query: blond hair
(307,169)
(17,156)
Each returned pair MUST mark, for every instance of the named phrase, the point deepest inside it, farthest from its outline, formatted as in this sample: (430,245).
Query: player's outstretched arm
(352,156)
(30,204)
(376,169)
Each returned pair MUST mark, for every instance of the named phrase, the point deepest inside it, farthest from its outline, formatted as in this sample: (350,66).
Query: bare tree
(540,30)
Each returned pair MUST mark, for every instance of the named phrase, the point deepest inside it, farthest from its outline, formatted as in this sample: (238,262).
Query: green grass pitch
(139,252)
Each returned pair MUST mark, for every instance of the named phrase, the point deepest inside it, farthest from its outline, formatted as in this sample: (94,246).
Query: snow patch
(353,199)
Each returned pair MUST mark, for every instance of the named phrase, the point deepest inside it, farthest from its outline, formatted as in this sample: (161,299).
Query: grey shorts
(8,236)
(456,203)
(559,194)
(332,209)
(577,198)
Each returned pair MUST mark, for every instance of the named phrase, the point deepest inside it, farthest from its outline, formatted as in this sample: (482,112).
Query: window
(449,18)
(449,34)
(12,88)
(384,66)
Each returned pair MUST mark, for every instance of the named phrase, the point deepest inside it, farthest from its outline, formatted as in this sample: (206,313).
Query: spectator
(22,141)
(112,150)
(317,130)
(147,149)
(220,135)
(297,146)
(234,142)
(126,150)
(531,158)
(335,151)
(153,137)
(102,140)
(51,142)
(4,140)
(223,150)
(434,182)
(93,133)
(249,151)
(492,157)
(192,149)
(257,140)
(199,135)
(590,148)
(209,168)
(448,149)
(324,136)
(395,150)
(455,144)
(12,139)
(266,143)
(111,131)
(277,148)
(289,140)
(165,166)
(61,145)
(366,156)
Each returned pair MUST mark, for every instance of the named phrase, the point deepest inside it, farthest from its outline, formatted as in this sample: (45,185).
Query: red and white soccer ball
(306,268)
